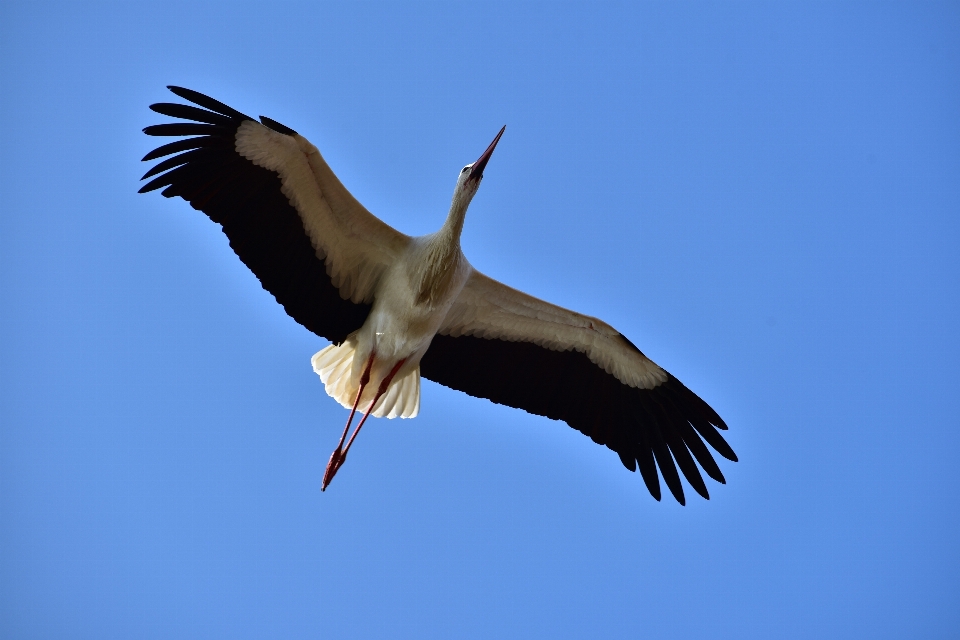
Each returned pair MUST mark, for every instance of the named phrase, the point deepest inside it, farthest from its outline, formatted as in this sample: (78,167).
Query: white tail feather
(334,365)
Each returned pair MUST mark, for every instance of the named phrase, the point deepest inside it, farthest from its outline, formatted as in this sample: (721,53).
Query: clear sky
(764,197)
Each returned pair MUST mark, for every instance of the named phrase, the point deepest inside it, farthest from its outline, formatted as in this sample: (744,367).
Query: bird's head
(470,176)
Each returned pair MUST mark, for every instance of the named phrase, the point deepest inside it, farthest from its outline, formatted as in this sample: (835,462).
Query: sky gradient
(764,197)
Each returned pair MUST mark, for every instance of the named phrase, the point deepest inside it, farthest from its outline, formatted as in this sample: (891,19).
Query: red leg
(336,458)
(383,389)
(364,379)
(338,462)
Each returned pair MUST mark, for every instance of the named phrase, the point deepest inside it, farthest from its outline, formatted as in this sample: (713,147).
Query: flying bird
(396,307)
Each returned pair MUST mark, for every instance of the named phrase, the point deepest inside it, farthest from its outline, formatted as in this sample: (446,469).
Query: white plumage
(334,364)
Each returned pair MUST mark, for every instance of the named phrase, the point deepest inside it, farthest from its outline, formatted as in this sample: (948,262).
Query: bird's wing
(504,345)
(287,216)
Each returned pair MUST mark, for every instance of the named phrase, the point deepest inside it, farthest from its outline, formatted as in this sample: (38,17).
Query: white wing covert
(489,309)
(353,243)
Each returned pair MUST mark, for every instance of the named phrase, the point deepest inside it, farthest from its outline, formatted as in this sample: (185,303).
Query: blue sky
(765,197)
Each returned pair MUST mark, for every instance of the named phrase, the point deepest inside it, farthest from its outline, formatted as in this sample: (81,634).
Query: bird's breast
(403,321)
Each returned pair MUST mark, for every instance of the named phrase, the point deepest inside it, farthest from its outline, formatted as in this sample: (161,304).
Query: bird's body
(396,306)
(410,304)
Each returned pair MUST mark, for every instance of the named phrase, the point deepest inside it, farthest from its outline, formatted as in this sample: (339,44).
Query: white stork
(395,306)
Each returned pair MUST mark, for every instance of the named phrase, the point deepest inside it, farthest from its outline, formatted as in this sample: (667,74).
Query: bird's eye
(464,170)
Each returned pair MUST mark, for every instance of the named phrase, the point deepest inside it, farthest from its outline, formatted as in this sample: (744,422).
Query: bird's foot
(339,454)
(336,461)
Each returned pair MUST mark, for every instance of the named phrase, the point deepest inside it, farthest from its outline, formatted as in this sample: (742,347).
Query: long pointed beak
(481,163)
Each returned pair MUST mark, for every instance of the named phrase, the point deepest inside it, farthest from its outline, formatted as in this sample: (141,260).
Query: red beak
(481,163)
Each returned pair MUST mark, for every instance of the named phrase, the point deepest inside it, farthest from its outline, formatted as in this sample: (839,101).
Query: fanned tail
(334,365)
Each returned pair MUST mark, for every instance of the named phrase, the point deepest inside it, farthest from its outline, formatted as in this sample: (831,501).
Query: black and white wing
(287,216)
(504,345)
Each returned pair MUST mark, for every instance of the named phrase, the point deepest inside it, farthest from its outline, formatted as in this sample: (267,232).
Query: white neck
(453,226)
(443,251)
